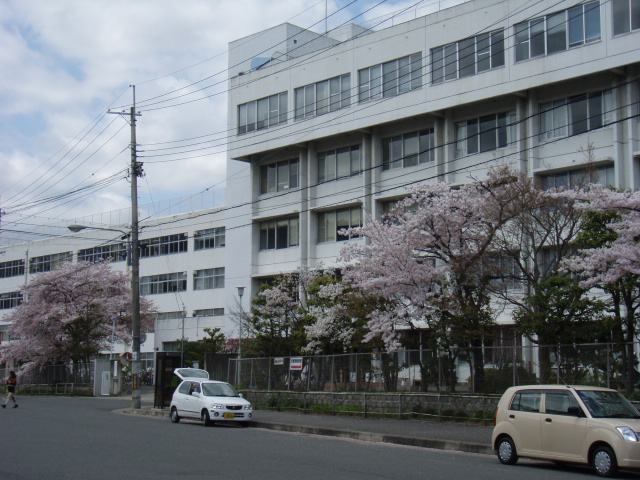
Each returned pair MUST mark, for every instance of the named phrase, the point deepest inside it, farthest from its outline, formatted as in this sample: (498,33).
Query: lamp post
(136,400)
(240,294)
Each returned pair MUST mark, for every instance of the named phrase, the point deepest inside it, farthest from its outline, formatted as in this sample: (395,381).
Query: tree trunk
(478,365)
(544,361)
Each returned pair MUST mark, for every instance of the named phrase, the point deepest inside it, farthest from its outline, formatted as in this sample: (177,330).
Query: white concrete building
(326,138)
(182,270)
(328,129)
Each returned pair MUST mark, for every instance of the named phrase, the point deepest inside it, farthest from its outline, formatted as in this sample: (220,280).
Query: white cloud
(63,64)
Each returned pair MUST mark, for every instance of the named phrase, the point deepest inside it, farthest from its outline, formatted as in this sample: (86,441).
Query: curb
(380,438)
(332,432)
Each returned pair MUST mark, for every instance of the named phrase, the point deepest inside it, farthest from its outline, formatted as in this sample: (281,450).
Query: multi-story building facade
(182,271)
(329,130)
(329,138)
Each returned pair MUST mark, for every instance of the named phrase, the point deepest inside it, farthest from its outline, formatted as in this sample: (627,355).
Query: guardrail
(56,389)
(462,408)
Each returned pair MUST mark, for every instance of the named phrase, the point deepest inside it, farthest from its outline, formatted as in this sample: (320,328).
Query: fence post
(608,365)
(558,362)
(333,365)
(440,376)
(484,411)
(365,405)
(515,364)
(333,404)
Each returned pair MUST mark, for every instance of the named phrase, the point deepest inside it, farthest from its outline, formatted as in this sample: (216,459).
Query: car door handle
(512,416)
(548,420)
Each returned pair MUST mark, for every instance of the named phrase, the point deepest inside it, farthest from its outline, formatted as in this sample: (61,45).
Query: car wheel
(507,451)
(175,418)
(604,461)
(206,420)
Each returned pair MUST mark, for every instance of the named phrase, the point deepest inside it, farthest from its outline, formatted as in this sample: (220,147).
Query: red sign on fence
(295,363)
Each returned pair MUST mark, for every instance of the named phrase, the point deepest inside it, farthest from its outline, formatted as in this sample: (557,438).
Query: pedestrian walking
(12,382)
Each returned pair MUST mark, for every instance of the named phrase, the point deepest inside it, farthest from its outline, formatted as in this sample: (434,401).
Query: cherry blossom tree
(306,311)
(609,260)
(534,243)
(432,259)
(70,315)
(279,313)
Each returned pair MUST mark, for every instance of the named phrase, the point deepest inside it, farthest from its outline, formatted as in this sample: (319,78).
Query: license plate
(228,415)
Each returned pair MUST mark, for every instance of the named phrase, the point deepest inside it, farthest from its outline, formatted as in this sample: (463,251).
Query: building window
(209,312)
(280,176)
(263,113)
(167,245)
(167,283)
(388,207)
(209,238)
(171,346)
(4,334)
(323,97)
(579,177)
(169,315)
(340,163)
(277,234)
(391,78)
(408,150)
(575,115)
(557,32)
(115,252)
(208,278)
(330,223)
(47,263)
(467,57)
(14,268)
(626,16)
(10,300)
(485,133)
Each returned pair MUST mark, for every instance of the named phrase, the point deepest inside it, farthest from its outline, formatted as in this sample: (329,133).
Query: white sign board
(278,361)
(295,363)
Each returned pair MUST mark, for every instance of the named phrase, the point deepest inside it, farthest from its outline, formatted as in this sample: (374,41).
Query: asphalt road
(58,438)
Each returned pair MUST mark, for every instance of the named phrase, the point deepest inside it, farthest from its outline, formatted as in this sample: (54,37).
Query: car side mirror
(196,394)
(576,411)
(240,395)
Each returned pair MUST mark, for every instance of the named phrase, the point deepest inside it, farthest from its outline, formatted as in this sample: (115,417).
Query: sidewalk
(417,433)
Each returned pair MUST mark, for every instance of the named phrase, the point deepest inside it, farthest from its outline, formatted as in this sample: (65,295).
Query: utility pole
(135,171)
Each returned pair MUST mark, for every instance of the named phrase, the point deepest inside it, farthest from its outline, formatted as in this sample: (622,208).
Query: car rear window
(526,401)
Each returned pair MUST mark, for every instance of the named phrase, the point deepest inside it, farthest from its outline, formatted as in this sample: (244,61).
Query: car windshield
(219,390)
(603,404)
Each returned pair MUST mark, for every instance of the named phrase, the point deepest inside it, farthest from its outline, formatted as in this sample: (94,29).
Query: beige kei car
(568,424)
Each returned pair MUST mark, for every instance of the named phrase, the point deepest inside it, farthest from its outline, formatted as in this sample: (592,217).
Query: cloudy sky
(65,63)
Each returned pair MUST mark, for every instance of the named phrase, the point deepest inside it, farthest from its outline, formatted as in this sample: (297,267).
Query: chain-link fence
(486,370)
(78,373)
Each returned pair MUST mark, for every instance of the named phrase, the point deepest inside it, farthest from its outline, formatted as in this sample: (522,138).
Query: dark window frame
(467,57)
(390,79)
(558,32)
(279,233)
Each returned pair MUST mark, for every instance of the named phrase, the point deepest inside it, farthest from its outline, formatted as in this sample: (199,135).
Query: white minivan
(568,424)
(206,400)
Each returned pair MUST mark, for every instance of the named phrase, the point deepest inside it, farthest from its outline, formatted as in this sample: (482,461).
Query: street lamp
(240,294)
(136,397)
